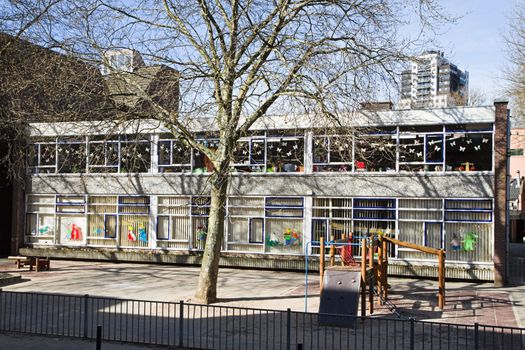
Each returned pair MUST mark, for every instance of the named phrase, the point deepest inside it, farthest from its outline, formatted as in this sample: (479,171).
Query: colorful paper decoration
(143,235)
(469,241)
(132,237)
(75,233)
(44,229)
(201,233)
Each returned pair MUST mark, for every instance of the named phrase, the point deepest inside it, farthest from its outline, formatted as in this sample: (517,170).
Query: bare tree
(19,17)
(239,61)
(516,58)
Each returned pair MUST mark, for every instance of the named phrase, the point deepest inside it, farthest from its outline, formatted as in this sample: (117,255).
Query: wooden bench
(20,261)
(39,264)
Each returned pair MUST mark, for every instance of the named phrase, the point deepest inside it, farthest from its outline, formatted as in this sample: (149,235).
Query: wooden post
(441,279)
(384,271)
(321,264)
(363,277)
(370,284)
(332,251)
(379,269)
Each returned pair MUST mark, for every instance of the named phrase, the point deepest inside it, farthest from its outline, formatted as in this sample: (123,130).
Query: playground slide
(340,296)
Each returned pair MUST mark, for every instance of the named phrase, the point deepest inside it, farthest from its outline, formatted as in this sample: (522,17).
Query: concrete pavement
(466,302)
(13,341)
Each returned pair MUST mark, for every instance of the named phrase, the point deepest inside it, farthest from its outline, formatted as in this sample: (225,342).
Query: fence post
(476,336)
(99,337)
(181,325)
(411,334)
(85,308)
(288,328)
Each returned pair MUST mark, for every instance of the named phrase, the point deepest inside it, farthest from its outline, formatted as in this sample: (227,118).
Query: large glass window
(43,157)
(174,156)
(468,152)
(135,155)
(40,224)
(332,153)
(133,214)
(376,153)
(102,220)
(246,224)
(284,224)
(103,155)
(71,156)
(173,222)
(71,220)
(285,154)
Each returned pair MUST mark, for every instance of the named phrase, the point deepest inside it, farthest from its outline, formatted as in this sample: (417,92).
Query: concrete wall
(258,261)
(463,185)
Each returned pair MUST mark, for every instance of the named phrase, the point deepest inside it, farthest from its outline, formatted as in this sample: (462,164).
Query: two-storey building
(436,177)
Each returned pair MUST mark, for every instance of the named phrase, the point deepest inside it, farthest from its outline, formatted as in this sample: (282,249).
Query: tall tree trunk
(207,287)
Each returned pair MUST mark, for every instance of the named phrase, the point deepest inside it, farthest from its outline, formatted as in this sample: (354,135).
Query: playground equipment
(338,287)
(382,266)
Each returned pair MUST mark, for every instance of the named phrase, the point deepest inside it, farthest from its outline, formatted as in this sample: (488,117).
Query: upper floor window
(174,156)
(332,153)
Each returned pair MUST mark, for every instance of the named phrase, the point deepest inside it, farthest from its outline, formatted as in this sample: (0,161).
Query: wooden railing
(383,266)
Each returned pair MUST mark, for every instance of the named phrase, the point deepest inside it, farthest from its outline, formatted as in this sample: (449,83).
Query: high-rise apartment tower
(432,82)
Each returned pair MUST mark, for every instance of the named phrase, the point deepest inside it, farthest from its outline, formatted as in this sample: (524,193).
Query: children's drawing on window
(143,235)
(469,242)
(74,232)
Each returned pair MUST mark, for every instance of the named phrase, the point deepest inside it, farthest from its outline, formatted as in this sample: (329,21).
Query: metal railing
(223,327)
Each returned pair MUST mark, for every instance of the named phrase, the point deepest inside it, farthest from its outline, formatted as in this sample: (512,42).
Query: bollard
(99,337)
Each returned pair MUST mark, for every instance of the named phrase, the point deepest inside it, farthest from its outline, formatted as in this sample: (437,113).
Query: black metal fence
(517,269)
(224,327)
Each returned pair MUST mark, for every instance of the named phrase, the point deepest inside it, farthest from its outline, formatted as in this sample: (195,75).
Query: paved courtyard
(466,303)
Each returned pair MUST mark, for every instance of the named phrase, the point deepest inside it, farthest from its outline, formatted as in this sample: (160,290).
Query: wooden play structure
(382,266)
(373,267)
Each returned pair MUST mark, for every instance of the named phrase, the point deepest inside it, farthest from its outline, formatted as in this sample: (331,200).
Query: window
(71,156)
(201,162)
(163,227)
(102,228)
(43,157)
(133,215)
(135,155)
(376,153)
(284,223)
(71,221)
(285,154)
(468,152)
(174,156)
(332,153)
(245,220)
(249,155)
(256,230)
(284,207)
(103,156)
(468,210)
(40,225)
(174,222)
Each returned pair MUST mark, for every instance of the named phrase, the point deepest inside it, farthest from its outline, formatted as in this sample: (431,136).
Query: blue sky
(476,42)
